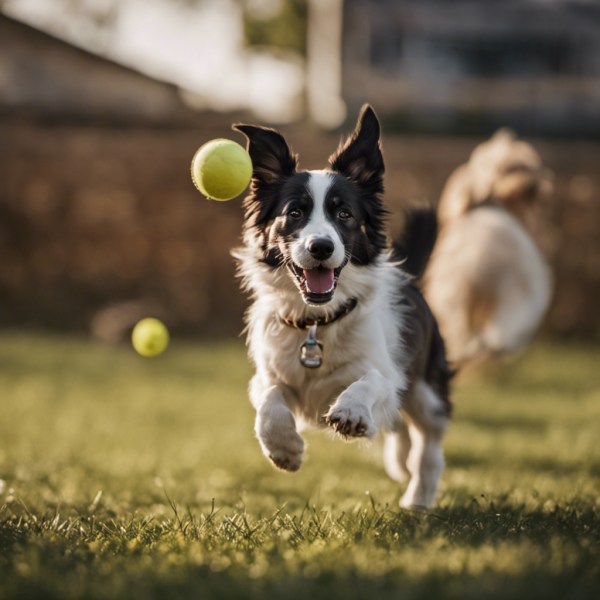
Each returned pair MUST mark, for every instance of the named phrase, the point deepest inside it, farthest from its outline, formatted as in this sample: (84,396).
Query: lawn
(124,477)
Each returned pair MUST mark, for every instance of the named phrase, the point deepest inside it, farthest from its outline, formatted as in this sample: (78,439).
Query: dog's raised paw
(353,422)
(284,448)
(279,440)
(286,452)
(286,461)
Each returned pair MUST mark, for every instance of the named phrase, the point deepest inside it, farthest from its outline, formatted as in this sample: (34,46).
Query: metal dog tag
(310,351)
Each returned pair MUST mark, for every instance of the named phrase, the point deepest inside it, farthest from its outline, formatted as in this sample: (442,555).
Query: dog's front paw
(351,421)
(288,457)
(279,440)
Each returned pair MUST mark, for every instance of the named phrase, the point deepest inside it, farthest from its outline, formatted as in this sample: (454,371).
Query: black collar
(305,324)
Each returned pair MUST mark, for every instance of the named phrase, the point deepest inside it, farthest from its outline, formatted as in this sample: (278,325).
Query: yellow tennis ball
(221,169)
(150,337)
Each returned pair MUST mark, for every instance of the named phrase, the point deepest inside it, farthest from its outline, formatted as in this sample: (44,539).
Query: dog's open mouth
(317,285)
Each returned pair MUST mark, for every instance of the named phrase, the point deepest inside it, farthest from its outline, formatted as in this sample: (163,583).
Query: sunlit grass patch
(124,477)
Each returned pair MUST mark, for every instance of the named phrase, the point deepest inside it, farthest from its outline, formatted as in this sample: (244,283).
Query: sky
(199,47)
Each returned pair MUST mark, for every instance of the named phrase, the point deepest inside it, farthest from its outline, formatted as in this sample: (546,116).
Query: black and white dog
(316,254)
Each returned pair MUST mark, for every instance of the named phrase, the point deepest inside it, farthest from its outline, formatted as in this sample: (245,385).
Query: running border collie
(316,257)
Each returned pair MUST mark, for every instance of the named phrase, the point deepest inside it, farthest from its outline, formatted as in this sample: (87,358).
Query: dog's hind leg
(395,453)
(427,417)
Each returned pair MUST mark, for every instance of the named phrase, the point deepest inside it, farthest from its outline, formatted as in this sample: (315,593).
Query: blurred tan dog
(487,282)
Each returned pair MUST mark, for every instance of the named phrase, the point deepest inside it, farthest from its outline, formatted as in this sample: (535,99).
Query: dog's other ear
(360,158)
(270,154)
(361,161)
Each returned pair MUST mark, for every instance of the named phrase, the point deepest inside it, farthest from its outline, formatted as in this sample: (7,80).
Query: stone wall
(100,226)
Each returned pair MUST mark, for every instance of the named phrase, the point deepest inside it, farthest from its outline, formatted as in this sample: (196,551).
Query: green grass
(124,477)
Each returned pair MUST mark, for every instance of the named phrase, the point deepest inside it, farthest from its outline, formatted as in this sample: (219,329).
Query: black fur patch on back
(424,345)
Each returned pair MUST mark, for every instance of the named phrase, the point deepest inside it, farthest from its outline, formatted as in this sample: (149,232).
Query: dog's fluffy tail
(414,246)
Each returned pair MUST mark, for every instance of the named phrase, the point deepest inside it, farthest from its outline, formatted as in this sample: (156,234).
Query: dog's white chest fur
(368,338)
(313,390)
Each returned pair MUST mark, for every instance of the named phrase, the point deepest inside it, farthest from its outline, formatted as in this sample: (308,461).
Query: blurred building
(201,47)
(471,66)
(100,224)
(46,78)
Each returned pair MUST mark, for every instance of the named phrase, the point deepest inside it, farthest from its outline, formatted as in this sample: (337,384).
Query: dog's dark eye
(344,215)
(295,214)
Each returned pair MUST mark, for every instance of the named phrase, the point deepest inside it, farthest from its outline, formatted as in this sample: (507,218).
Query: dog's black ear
(271,157)
(361,161)
(359,158)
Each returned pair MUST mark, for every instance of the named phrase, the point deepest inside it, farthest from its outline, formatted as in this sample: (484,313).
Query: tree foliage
(286,29)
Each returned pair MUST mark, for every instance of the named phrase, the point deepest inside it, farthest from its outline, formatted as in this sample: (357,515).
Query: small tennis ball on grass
(221,169)
(150,337)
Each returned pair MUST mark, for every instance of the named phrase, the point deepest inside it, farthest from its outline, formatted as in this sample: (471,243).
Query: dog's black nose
(320,248)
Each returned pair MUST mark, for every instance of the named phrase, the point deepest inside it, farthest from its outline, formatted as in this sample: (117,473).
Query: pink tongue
(319,280)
